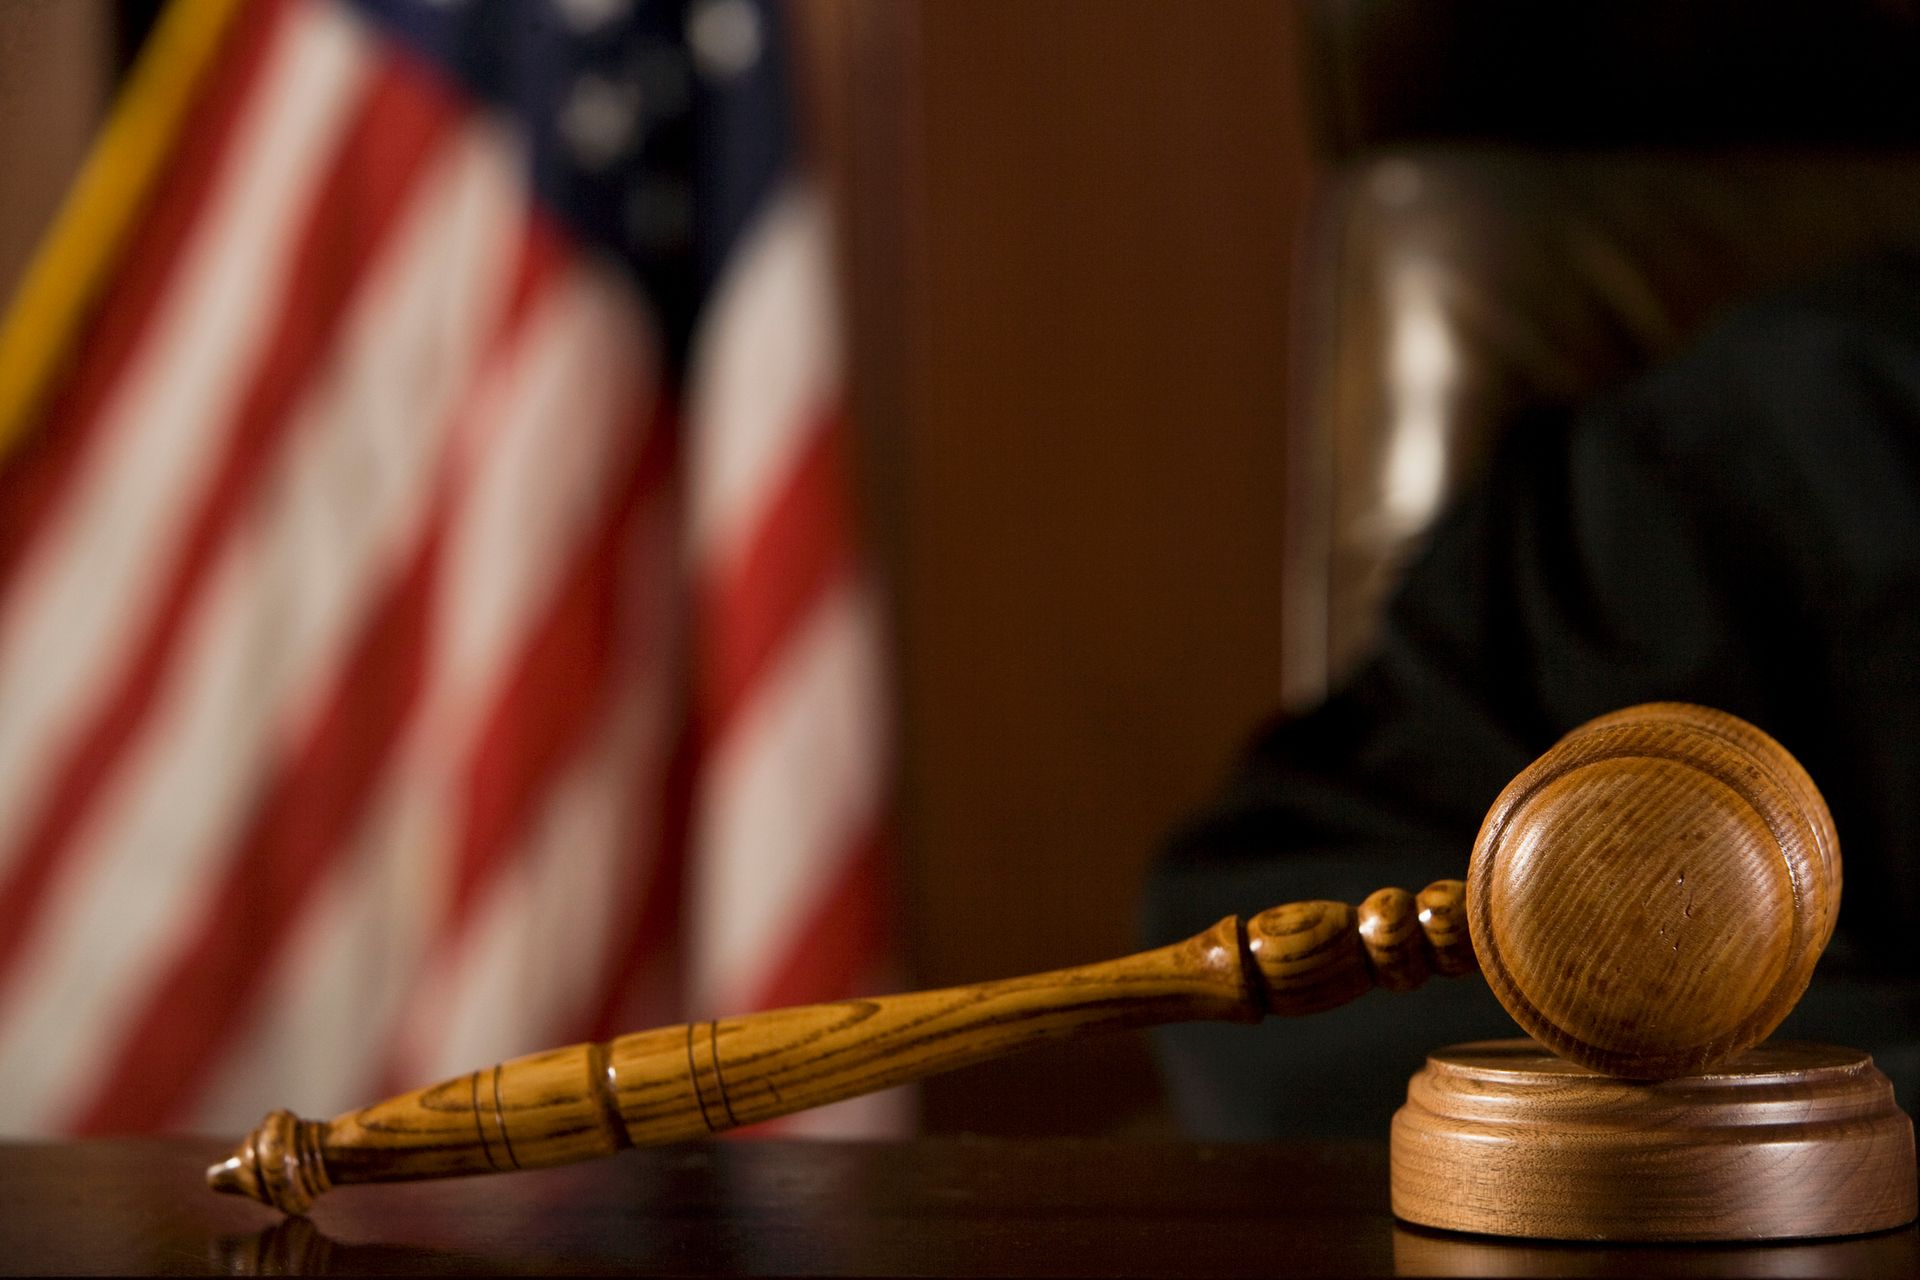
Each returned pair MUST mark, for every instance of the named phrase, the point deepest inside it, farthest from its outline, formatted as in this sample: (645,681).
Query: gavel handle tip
(279,1164)
(227,1178)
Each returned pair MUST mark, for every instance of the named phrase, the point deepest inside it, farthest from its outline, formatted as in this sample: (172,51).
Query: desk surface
(943,1207)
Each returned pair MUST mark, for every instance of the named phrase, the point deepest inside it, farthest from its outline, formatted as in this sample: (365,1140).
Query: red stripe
(798,549)
(799,545)
(380,160)
(39,475)
(642,975)
(560,683)
(835,951)
(298,826)
(303,822)
(556,691)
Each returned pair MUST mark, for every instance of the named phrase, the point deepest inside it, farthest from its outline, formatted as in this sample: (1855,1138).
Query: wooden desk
(948,1207)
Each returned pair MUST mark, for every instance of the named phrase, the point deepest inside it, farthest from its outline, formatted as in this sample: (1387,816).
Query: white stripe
(544,484)
(786,795)
(765,364)
(525,975)
(540,492)
(532,478)
(534,481)
(412,372)
(525,972)
(286,599)
(91,581)
(339,1000)
(341,991)
(315,1046)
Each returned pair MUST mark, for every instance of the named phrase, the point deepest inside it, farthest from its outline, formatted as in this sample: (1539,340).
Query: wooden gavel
(1647,898)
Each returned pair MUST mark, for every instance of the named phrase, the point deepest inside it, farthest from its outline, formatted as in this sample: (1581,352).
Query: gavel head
(1650,896)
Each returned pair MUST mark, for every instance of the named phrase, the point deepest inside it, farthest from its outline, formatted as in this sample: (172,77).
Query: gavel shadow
(1418,1251)
(295,1247)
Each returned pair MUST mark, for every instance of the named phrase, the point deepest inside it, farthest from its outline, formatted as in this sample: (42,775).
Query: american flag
(431,627)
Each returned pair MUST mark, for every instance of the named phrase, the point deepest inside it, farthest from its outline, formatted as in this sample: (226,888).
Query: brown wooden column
(56,70)
(1070,229)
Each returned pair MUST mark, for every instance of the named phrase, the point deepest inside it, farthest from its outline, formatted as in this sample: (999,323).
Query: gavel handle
(688,1081)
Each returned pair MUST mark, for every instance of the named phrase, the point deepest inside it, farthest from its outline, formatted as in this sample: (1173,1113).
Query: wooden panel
(1071,227)
(56,65)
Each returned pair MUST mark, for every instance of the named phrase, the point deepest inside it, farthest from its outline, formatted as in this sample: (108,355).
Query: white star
(725,35)
(601,119)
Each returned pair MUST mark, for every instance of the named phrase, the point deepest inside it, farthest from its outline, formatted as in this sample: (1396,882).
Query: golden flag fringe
(78,251)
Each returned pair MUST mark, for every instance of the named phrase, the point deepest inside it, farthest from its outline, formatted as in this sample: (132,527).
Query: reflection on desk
(944,1207)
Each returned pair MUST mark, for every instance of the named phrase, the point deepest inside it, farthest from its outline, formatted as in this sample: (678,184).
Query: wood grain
(1763,750)
(1784,1141)
(1648,897)
(1652,894)
(688,1081)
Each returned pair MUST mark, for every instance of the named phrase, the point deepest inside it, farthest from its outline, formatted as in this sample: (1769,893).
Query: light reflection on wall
(1423,369)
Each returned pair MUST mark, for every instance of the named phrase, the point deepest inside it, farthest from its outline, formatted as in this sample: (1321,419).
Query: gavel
(1646,899)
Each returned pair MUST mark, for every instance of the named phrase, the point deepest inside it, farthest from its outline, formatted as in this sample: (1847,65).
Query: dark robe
(1739,528)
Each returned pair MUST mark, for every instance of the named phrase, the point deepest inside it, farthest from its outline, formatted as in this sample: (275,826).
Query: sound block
(1784,1141)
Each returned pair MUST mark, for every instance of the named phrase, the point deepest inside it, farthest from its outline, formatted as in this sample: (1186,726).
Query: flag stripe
(835,947)
(308,811)
(375,170)
(543,919)
(766,359)
(280,609)
(528,526)
(798,545)
(339,236)
(784,797)
(391,652)
(314,1037)
(790,773)
(556,687)
(167,1048)
(363,929)
(642,968)
(538,492)
(74,608)
(552,692)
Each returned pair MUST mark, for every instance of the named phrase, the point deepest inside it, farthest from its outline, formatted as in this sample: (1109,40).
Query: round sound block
(1785,1140)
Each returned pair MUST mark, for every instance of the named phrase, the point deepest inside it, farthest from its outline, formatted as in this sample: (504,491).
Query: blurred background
(1169,327)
